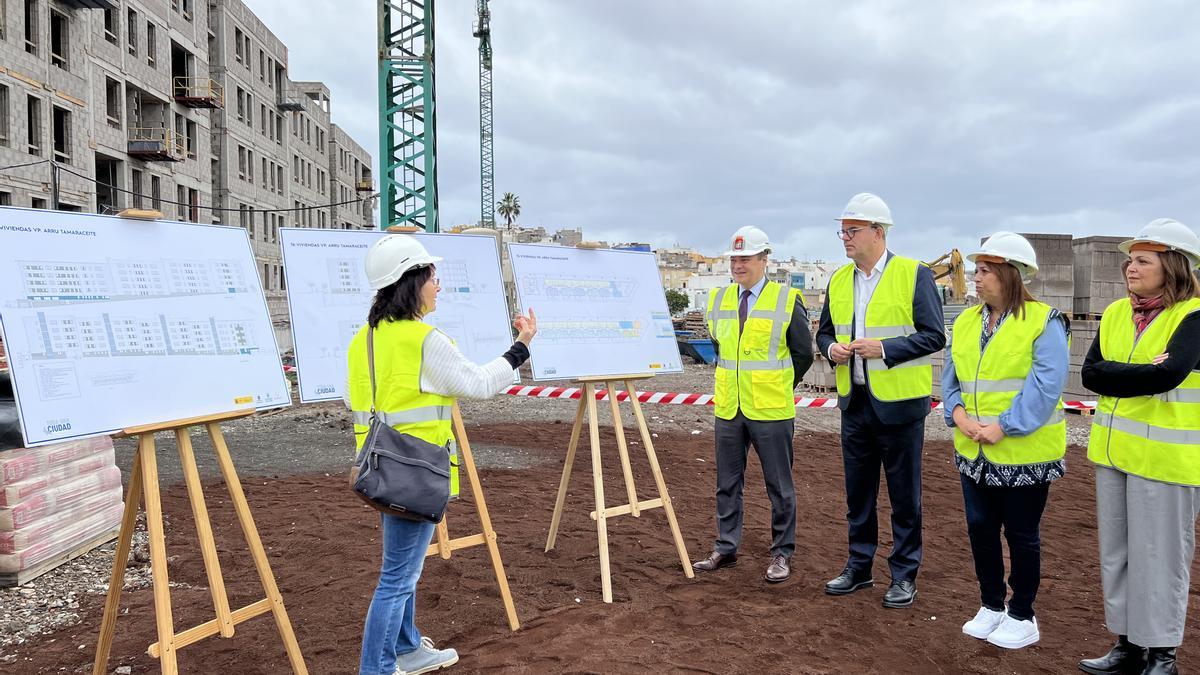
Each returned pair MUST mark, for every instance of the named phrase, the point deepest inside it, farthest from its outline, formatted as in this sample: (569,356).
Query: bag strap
(371,364)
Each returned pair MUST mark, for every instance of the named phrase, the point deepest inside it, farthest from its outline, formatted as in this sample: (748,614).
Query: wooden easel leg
(158,556)
(660,482)
(622,448)
(566,476)
(598,482)
(256,550)
(108,625)
(443,538)
(208,547)
(489,534)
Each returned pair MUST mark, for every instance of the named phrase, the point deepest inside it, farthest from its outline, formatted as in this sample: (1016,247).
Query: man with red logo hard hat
(763,343)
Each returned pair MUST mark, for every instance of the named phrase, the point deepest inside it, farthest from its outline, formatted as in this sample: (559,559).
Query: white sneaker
(1014,634)
(984,623)
(425,659)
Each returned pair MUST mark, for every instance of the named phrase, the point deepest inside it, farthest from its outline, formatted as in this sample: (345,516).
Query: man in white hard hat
(764,347)
(881,322)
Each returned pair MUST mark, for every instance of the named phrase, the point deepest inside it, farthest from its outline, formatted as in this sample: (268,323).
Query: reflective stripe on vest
(990,380)
(889,314)
(433,413)
(399,401)
(758,378)
(1155,437)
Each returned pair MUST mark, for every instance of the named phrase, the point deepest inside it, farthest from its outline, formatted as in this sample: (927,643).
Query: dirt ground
(323,545)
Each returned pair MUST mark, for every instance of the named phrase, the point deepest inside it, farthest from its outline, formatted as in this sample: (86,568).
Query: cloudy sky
(677,122)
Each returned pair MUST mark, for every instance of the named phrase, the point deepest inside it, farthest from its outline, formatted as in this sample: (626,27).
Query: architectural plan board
(599,311)
(111,323)
(329,297)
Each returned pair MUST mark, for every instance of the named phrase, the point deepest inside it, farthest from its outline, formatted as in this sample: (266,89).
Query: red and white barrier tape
(671,398)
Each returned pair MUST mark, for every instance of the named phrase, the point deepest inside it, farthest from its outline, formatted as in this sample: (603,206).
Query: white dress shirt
(864,288)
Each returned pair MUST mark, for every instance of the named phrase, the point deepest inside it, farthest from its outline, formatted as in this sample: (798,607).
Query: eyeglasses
(848,234)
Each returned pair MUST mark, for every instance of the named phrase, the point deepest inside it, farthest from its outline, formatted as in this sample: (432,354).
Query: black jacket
(929,338)
(1125,380)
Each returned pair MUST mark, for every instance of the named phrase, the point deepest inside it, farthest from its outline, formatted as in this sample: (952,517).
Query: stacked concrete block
(1082,335)
(1055,280)
(1098,277)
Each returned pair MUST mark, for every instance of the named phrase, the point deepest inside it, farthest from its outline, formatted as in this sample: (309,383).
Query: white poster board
(328,298)
(599,311)
(111,323)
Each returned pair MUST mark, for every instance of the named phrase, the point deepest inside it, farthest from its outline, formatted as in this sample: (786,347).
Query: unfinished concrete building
(174,105)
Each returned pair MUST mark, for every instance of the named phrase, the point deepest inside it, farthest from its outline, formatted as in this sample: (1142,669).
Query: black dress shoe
(900,594)
(1124,657)
(1161,661)
(715,561)
(848,581)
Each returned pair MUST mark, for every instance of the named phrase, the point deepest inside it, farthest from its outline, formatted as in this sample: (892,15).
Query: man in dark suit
(881,322)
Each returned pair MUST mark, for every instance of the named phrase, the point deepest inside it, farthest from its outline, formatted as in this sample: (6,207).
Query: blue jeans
(391,627)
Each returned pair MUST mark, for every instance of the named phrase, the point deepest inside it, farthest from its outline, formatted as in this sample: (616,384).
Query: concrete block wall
(1098,277)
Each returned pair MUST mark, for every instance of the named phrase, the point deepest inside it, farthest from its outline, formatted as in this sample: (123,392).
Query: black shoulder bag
(397,473)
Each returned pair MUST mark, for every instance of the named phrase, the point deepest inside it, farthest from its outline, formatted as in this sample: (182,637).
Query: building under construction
(174,105)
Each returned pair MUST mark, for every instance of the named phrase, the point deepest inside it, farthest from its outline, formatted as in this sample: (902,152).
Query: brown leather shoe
(778,570)
(715,561)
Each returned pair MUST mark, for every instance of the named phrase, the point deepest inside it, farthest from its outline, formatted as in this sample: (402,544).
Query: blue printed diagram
(108,335)
(589,330)
(591,289)
(56,282)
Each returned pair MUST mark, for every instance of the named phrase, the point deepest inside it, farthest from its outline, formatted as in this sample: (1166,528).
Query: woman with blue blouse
(1002,385)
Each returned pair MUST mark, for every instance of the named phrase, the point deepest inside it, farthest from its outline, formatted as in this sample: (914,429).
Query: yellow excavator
(950,272)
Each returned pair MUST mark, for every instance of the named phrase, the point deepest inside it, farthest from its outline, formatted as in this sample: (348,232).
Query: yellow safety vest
(889,314)
(754,369)
(1155,437)
(399,401)
(990,379)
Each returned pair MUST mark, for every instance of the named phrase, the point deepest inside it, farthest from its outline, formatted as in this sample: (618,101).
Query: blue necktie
(743,310)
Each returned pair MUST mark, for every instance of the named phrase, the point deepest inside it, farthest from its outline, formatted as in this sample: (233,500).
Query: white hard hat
(748,240)
(1011,247)
(868,207)
(1170,233)
(393,255)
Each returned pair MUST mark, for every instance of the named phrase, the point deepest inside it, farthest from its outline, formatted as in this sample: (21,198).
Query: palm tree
(509,208)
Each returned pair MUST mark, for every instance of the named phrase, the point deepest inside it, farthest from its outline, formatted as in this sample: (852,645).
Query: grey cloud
(673,122)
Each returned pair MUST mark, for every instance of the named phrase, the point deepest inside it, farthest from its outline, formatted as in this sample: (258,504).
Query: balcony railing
(156,144)
(198,92)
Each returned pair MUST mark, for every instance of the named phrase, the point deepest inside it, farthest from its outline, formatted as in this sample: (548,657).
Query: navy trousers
(868,444)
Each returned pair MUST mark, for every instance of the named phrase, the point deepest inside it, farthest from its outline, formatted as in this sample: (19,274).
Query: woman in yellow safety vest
(1002,388)
(418,374)
(1145,442)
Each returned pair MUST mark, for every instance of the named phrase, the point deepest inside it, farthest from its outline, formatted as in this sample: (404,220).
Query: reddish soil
(324,549)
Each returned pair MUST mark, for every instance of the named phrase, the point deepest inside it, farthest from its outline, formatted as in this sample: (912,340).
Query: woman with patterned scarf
(1145,442)
(1002,386)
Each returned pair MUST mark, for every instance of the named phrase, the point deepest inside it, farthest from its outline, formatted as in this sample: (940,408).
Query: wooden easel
(445,545)
(143,481)
(587,401)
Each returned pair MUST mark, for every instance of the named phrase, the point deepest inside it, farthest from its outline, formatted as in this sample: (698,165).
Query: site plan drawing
(111,323)
(329,297)
(600,311)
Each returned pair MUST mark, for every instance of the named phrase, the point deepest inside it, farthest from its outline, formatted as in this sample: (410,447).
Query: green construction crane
(487,185)
(407,115)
